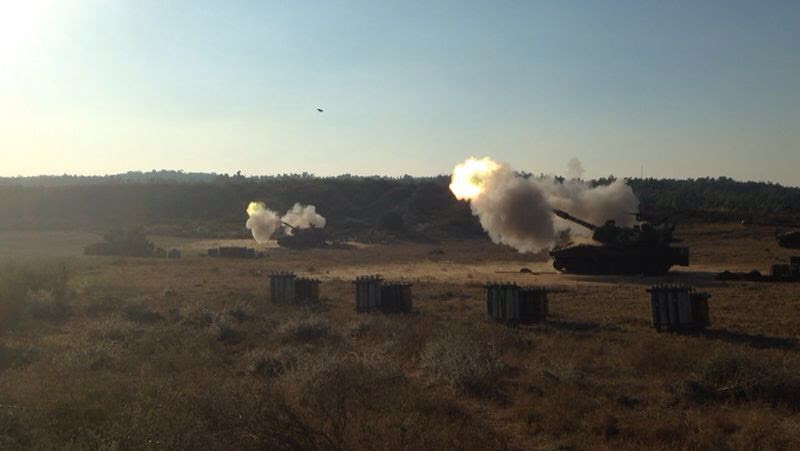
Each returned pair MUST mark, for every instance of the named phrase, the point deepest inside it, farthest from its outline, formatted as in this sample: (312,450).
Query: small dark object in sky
(319,109)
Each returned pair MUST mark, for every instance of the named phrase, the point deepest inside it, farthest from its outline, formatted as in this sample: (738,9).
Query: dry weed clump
(91,356)
(660,355)
(33,292)
(362,326)
(114,329)
(403,336)
(12,356)
(195,314)
(223,330)
(111,378)
(102,305)
(137,312)
(463,361)
(304,329)
(268,363)
(241,312)
(366,401)
(733,377)
(46,305)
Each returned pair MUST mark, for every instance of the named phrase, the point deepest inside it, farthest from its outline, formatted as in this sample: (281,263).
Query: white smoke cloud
(263,222)
(303,216)
(615,201)
(518,211)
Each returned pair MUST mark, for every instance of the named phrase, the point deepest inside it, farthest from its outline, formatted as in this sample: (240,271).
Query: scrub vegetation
(131,353)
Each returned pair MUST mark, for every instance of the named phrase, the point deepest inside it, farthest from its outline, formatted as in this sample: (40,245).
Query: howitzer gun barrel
(288,225)
(564,215)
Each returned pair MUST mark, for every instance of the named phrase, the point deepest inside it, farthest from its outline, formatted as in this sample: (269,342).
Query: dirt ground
(595,375)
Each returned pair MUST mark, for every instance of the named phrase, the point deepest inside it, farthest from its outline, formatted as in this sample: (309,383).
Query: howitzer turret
(302,238)
(641,249)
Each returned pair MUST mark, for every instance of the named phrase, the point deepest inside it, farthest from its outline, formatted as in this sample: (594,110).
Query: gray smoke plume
(514,211)
(263,222)
(518,211)
(574,168)
(303,216)
(614,201)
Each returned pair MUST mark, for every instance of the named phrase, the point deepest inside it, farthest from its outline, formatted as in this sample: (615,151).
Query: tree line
(214,205)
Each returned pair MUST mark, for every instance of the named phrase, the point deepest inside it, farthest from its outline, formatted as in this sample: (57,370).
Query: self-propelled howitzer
(642,249)
(789,240)
(302,238)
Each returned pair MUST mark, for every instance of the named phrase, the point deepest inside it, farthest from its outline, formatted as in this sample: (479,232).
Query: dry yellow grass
(211,362)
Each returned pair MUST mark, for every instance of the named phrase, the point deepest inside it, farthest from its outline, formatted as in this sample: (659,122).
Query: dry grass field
(127,353)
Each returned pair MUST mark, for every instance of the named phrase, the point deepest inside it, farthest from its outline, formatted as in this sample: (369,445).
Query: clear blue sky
(685,89)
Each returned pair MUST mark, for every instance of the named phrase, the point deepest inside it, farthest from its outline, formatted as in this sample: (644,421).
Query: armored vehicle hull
(789,240)
(604,260)
(641,249)
(303,238)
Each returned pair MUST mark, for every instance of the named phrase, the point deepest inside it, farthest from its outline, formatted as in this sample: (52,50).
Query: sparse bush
(366,401)
(362,326)
(13,356)
(137,312)
(240,312)
(726,368)
(92,356)
(103,305)
(656,356)
(734,377)
(224,331)
(462,361)
(32,291)
(304,329)
(113,329)
(269,364)
(43,304)
(196,314)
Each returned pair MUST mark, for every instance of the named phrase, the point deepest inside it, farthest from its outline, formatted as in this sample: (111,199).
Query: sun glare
(19,20)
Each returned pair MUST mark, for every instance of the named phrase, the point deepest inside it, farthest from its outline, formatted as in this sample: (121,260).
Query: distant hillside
(214,205)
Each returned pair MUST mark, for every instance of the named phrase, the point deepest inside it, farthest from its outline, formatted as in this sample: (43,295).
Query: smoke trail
(302,217)
(262,222)
(517,210)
